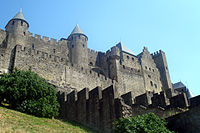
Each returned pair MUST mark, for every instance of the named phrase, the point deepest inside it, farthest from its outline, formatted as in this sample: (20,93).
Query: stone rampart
(187,122)
(99,108)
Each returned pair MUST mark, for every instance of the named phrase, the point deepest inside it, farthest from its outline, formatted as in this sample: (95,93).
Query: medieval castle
(95,88)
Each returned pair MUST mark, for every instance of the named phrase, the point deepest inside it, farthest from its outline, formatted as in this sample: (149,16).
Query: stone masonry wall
(58,70)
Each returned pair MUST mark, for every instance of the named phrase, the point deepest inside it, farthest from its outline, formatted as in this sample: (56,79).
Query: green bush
(26,92)
(146,123)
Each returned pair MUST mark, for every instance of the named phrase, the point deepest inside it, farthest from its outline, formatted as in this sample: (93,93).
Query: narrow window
(149,76)
(145,67)
(127,57)
(132,59)
(123,66)
(54,51)
(21,23)
(155,85)
(33,46)
(153,70)
(72,46)
(13,22)
(24,33)
(83,45)
(149,69)
(151,83)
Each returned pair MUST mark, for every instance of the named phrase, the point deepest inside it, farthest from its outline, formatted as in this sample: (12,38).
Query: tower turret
(161,63)
(78,47)
(17,25)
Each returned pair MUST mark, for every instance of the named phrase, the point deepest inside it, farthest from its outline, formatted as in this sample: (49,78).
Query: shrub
(26,92)
(146,123)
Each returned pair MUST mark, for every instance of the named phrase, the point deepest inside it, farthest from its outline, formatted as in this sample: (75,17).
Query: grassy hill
(13,121)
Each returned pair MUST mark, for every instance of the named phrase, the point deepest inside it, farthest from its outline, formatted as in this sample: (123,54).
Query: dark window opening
(151,83)
(149,69)
(127,57)
(166,68)
(91,64)
(54,51)
(145,67)
(24,33)
(21,23)
(13,22)
(33,46)
(83,45)
(132,59)
(153,70)
(72,46)
(149,76)
(155,85)
(123,66)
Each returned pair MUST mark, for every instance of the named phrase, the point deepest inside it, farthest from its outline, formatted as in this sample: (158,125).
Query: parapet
(47,39)
(195,101)
(150,99)
(157,53)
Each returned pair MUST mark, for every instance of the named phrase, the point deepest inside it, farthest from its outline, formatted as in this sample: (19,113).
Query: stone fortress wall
(52,60)
(99,108)
(95,88)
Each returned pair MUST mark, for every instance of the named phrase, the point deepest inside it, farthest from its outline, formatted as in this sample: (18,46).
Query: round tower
(17,25)
(78,47)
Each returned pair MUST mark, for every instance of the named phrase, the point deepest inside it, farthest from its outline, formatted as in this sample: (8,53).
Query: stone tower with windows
(17,25)
(69,63)
(78,47)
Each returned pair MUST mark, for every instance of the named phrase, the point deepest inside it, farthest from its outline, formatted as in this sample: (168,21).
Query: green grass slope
(16,122)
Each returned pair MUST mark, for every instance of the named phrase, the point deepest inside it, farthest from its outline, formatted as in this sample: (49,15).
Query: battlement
(42,55)
(92,52)
(96,108)
(47,39)
(157,53)
(1,30)
(150,99)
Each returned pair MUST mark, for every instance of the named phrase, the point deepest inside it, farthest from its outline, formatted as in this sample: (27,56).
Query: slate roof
(124,48)
(19,16)
(181,85)
(178,85)
(77,30)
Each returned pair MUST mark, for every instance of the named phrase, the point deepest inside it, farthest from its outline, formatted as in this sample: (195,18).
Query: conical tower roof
(19,16)
(77,30)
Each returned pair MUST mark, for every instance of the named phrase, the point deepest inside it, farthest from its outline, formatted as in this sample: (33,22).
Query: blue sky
(170,25)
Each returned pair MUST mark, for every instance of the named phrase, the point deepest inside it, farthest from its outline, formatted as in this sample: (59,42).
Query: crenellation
(37,36)
(44,38)
(128,84)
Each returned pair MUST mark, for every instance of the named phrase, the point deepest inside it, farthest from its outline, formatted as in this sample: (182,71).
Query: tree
(146,123)
(26,92)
